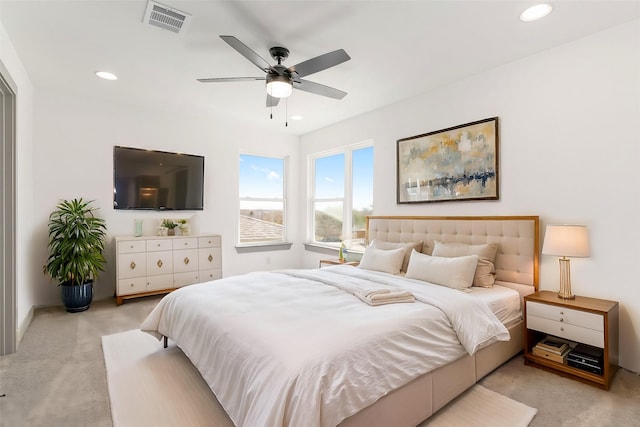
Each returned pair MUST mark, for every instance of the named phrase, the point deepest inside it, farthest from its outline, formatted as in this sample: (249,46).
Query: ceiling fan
(282,80)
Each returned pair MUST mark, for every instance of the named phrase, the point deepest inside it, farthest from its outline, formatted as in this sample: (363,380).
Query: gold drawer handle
(131,285)
(159,263)
(132,265)
(561,328)
(186,243)
(186,260)
(210,258)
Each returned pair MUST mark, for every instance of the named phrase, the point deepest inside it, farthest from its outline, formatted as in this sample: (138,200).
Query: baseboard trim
(23,326)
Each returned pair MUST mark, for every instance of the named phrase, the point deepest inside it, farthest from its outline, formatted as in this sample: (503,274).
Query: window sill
(329,250)
(263,247)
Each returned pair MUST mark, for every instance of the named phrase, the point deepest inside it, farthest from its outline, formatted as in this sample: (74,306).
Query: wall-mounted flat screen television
(148,179)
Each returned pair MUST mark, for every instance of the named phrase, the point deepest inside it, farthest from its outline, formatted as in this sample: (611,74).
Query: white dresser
(150,265)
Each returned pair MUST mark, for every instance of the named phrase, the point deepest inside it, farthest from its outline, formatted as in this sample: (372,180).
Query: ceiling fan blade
(247,52)
(230,79)
(320,63)
(318,89)
(272,101)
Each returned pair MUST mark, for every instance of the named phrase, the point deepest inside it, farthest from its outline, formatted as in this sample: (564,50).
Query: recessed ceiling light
(106,75)
(536,12)
(296,117)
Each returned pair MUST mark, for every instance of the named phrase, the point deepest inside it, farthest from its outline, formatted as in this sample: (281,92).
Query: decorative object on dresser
(566,241)
(156,265)
(589,326)
(457,163)
(76,251)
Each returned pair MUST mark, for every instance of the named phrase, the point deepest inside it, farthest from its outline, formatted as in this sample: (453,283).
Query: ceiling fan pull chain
(286,112)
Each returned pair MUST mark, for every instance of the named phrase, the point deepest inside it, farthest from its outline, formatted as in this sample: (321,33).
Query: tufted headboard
(518,238)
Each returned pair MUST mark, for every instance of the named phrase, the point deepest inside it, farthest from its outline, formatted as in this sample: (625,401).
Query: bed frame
(516,267)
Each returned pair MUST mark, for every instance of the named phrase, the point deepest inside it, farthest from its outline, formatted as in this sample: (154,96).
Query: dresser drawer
(159,263)
(159,245)
(207,275)
(130,246)
(566,315)
(184,261)
(209,258)
(209,242)
(132,265)
(157,283)
(183,279)
(185,243)
(566,330)
(132,286)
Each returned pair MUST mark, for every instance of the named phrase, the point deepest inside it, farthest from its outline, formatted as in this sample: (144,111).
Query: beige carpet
(152,386)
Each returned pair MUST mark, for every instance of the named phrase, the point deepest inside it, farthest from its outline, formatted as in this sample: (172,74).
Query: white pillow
(382,244)
(485,271)
(454,273)
(388,261)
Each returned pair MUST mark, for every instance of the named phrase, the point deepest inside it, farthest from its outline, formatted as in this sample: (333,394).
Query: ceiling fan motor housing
(279,53)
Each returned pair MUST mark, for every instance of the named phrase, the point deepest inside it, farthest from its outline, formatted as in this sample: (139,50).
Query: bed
(304,347)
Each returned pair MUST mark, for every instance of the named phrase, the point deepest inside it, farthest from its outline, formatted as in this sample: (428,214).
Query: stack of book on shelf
(552,349)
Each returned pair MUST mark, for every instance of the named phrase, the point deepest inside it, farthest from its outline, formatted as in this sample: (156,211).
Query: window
(262,201)
(342,188)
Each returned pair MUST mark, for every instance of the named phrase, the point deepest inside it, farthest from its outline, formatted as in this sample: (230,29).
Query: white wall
(73,157)
(25,273)
(569,152)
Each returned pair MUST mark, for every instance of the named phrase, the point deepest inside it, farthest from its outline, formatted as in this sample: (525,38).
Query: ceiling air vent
(166,18)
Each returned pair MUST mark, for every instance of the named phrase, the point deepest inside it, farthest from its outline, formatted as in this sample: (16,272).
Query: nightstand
(583,320)
(336,261)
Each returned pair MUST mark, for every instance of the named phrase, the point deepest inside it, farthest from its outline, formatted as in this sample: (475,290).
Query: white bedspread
(293,348)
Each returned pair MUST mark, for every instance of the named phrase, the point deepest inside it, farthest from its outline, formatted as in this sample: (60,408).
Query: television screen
(147,179)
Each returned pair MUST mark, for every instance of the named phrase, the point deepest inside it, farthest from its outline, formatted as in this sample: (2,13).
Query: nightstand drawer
(583,319)
(565,330)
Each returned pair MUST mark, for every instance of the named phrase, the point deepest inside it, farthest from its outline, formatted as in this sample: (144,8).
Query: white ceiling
(398,49)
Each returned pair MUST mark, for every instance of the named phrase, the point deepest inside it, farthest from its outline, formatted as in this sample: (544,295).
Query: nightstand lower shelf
(566,371)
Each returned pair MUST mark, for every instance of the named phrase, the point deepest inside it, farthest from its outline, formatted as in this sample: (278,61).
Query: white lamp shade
(279,87)
(566,241)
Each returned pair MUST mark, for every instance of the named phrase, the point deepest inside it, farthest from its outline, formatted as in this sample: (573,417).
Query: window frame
(266,244)
(347,208)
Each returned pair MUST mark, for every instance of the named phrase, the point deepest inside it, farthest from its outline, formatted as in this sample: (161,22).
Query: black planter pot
(76,298)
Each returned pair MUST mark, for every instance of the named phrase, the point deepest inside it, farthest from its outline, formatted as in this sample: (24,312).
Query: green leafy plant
(168,223)
(76,243)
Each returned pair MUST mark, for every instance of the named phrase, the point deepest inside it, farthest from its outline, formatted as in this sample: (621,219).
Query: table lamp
(566,241)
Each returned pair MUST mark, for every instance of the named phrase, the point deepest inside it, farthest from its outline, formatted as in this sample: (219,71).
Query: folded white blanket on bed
(370,292)
(385,296)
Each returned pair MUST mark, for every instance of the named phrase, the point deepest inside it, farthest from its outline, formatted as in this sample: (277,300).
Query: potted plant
(76,246)
(170,225)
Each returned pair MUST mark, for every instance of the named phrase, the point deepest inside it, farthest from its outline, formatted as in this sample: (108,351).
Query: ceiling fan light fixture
(279,86)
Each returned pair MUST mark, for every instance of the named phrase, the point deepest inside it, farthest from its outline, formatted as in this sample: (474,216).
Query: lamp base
(563,296)
(565,279)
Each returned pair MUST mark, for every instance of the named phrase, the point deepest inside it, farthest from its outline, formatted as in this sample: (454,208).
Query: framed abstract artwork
(458,163)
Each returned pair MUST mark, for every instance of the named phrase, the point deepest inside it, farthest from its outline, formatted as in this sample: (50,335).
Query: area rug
(153,386)
(480,406)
